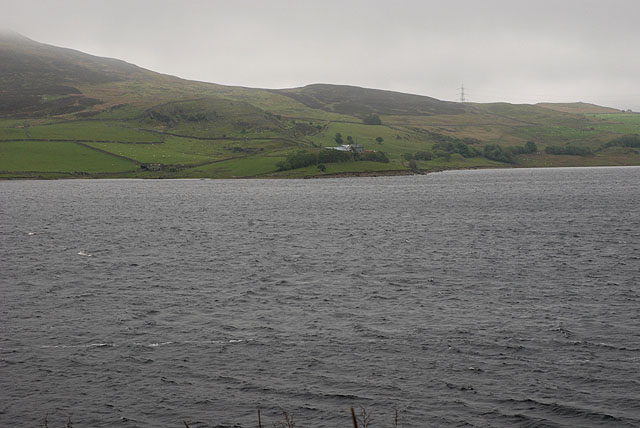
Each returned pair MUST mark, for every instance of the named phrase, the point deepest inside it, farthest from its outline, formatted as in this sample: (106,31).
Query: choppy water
(475,298)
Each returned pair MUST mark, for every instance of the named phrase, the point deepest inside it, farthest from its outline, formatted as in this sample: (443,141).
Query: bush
(497,153)
(456,146)
(372,119)
(463,149)
(299,159)
(331,156)
(283,166)
(375,157)
(568,150)
(442,154)
(625,141)
(303,158)
(424,156)
(530,147)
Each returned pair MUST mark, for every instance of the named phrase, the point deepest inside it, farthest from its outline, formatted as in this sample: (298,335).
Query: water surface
(496,298)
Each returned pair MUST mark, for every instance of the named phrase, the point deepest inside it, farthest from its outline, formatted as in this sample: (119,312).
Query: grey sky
(515,51)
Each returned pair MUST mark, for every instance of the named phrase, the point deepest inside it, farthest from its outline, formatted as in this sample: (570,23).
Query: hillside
(64,113)
(579,108)
(31,72)
(361,102)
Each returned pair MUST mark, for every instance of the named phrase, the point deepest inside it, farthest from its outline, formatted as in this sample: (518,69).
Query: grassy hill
(579,108)
(64,113)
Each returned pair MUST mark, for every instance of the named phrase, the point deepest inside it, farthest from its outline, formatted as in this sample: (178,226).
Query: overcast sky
(501,50)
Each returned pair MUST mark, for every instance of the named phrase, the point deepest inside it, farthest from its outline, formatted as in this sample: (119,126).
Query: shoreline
(387,173)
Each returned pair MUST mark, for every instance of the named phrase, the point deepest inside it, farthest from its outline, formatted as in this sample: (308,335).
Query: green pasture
(58,157)
(90,130)
(620,123)
(13,129)
(362,134)
(233,168)
(213,117)
(221,129)
(533,115)
(395,141)
(181,151)
(173,150)
(277,104)
(556,134)
(633,118)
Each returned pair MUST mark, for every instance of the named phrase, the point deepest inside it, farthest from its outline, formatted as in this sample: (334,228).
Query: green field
(235,168)
(172,151)
(91,130)
(64,157)
(622,123)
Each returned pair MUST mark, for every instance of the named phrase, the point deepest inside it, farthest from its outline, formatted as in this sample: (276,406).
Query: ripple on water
(471,298)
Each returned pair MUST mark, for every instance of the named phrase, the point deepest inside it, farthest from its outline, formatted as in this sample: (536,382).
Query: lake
(488,298)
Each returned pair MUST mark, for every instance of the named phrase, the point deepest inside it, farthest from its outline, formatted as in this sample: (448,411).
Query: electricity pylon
(461,93)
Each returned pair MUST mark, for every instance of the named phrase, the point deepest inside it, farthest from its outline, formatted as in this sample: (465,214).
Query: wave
(539,411)
(149,345)
(89,345)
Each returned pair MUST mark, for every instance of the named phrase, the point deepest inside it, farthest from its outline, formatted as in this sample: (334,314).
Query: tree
(332,156)
(463,149)
(338,138)
(497,153)
(349,139)
(530,147)
(372,119)
(375,157)
(442,154)
(424,156)
(625,141)
(379,140)
(568,150)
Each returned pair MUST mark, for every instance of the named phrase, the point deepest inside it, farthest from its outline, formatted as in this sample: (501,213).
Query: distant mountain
(64,113)
(357,101)
(579,108)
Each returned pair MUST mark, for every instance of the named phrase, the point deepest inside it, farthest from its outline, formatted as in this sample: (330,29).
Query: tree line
(303,158)
(495,152)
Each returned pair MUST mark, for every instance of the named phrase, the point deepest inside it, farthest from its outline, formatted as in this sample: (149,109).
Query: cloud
(513,51)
